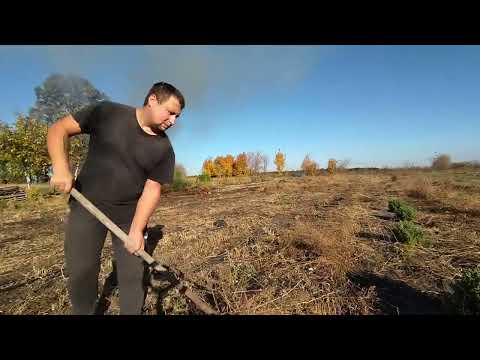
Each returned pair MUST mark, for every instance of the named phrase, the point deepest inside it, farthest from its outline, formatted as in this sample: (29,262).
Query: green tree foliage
(23,148)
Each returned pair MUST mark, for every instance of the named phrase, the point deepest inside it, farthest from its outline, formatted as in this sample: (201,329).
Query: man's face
(164,115)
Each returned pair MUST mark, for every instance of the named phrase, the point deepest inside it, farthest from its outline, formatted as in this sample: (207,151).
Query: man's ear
(151,98)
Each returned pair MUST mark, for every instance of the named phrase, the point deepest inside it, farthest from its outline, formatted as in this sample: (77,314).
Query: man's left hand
(137,242)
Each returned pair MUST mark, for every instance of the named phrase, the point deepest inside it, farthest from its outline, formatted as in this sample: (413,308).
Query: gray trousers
(84,241)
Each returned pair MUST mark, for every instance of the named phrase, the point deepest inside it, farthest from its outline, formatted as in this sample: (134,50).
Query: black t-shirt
(121,157)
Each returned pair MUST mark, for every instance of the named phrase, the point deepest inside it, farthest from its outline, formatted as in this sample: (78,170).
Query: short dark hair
(163,91)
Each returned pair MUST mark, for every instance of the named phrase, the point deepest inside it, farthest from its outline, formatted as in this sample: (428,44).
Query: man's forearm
(57,144)
(145,207)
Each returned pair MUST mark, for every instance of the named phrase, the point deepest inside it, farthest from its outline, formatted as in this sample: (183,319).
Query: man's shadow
(395,297)
(155,234)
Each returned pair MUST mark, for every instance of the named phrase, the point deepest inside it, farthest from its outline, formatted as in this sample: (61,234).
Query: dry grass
(421,189)
(310,245)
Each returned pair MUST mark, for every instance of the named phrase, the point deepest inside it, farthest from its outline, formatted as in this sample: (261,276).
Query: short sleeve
(86,117)
(164,170)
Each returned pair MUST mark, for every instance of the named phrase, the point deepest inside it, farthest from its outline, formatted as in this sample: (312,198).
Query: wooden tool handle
(142,253)
(112,227)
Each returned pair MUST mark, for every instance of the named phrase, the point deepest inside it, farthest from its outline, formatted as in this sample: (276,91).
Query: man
(129,158)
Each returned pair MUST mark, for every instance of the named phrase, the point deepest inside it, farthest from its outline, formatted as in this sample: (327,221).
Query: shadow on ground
(395,297)
(375,236)
(155,234)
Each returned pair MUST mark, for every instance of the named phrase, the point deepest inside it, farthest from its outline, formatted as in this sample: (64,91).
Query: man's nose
(172,119)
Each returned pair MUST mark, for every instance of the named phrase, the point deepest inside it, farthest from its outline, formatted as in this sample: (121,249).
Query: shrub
(180,171)
(332,166)
(466,296)
(421,189)
(441,162)
(309,166)
(394,178)
(37,193)
(180,181)
(408,233)
(402,209)
(204,178)
(179,184)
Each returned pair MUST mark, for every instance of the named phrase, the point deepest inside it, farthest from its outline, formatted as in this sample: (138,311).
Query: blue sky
(374,105)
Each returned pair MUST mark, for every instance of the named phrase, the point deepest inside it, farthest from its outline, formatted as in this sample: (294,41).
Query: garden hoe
(183,285)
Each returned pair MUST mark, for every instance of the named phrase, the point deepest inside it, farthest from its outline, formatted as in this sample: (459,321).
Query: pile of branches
(12,192)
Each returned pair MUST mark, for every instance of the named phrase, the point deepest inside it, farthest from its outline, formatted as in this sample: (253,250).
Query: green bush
(466,296)
(180,181)
(204,178)
(402,209)
(179,184)
(408,233)
(36,192)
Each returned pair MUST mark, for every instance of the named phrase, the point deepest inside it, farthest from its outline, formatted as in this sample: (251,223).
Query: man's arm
(57,143)
(145,207)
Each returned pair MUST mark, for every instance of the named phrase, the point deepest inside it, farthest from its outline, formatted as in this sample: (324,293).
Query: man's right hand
(63,181)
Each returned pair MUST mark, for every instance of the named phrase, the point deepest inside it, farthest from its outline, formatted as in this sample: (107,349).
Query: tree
(332,166)
(441,162)
(309,166)
(280,161)
(256,162)
(23,148)
(208,168)
(343,164)
(218,166)
(3,163)
(228,162)
(60,95)
(265,161)
(240,165)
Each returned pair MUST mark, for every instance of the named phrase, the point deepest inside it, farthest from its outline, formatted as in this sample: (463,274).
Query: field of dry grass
(273,245)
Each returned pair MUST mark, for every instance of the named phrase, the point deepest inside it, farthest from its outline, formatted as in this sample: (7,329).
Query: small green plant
(244,275)
(408,233)
(179,184)
(466,295)
(402,209)
(180,181)
(34,193)
(204,178)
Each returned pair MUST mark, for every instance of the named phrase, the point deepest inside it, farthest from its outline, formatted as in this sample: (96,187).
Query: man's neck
(142,119)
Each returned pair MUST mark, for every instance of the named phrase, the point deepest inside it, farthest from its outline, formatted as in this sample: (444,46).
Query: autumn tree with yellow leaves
(240,165)
(226,166)
(208,167)
(280,161)
(309,166)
